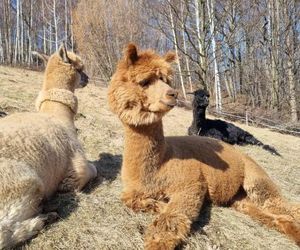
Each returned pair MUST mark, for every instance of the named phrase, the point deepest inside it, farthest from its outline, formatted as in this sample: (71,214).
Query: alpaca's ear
(170,56)
(62,52)
(42,56)
(130,54)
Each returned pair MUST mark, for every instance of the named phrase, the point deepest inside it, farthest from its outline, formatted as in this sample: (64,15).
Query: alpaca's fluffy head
(201,98)
(64,70)
(139,91)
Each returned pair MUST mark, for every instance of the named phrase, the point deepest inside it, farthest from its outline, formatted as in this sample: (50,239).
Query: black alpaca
(219,129)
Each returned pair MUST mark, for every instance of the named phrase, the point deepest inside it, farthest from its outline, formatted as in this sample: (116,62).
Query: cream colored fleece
(39,154)
(63,96)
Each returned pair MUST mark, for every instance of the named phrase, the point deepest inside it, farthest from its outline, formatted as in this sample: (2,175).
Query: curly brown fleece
(174,175)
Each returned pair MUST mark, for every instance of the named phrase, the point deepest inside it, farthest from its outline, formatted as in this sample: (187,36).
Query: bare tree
(290,51)
(211,11)
(187,62)
(246,52)
(175,40)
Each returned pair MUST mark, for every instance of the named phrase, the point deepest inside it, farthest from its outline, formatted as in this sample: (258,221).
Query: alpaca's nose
(172,93)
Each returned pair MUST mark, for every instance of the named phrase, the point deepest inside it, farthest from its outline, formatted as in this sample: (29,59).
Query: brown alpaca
(174,175)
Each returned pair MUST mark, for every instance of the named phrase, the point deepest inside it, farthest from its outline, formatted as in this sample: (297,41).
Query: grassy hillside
(96,219)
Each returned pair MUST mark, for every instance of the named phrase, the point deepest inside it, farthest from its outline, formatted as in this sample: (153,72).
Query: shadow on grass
(108,167)
(61,203)
(64,204)
(202,220)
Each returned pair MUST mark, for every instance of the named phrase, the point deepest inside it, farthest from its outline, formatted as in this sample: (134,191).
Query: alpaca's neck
(59,110)
(199,119)
(60,103)
(143,152)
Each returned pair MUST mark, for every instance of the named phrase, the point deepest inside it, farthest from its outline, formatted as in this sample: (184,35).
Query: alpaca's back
(225,131)
(217,129)
(35,154)
(41,142)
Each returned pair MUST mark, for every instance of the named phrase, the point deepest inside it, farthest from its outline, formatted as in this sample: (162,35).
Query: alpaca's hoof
(167,231)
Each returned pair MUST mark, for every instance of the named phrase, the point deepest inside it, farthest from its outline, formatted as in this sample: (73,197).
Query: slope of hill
(96,218)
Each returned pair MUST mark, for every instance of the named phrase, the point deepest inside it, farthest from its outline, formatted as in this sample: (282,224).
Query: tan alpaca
(40,152)
(174,175)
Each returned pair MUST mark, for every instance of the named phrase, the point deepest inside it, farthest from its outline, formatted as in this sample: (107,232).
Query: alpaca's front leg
(79,175)
(143,202)
(173,224)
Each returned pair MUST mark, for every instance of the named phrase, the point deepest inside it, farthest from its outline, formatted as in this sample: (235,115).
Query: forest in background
(246,53)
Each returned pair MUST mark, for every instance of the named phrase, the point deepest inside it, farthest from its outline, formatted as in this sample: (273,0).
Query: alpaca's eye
(145,83)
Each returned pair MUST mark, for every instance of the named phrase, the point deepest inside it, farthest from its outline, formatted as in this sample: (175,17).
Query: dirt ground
(96,218)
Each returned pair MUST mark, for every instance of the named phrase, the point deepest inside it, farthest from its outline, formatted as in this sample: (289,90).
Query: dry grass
(96,219)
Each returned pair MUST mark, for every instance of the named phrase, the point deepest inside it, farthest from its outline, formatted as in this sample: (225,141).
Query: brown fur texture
(40,153)
(174,175)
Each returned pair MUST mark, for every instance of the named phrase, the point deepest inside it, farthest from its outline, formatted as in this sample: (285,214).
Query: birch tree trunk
(5,30)
(21,40)
(29,34)
(176,50)
(1,48)
(71,25)
(17,41)
(55,24)
(44,28)
(273,52)
(290,58)
(66,21)
(9,32)
(210,8)
(200,19)
(50,38)
(187,63)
